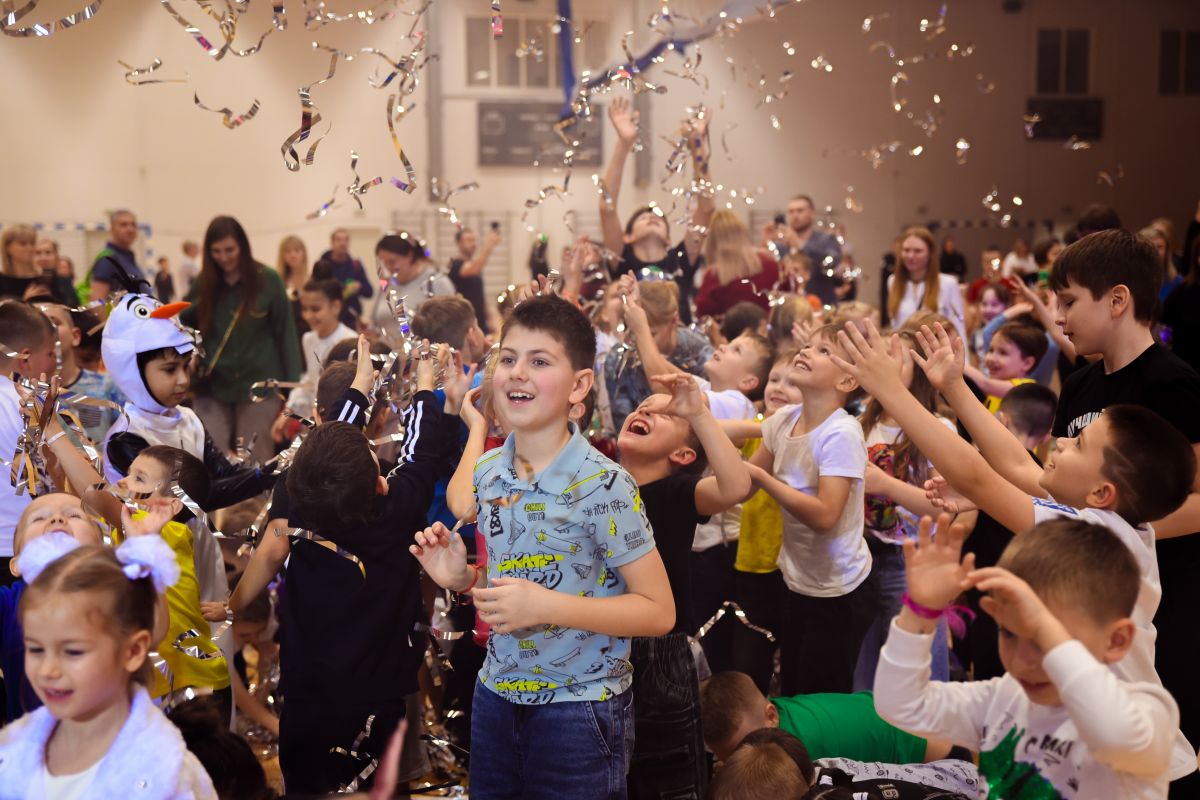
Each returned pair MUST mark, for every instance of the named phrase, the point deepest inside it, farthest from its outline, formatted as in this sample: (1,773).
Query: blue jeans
(888,573)
(572,749)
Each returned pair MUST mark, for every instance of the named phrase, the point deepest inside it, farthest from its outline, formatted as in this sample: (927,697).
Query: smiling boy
(572,573)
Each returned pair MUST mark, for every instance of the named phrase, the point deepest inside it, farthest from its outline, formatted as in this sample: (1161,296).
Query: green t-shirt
(846,726)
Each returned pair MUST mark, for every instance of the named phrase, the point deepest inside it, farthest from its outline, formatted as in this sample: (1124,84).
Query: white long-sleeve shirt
(950,302)
(1108,739)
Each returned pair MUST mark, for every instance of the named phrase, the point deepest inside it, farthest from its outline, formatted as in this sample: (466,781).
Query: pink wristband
(956,616)
(921,611)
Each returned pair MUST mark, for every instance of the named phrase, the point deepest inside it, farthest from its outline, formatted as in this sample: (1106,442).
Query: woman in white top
(918,283)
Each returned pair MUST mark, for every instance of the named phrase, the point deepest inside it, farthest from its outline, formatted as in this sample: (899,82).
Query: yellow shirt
(183,603)
(993,403)
(762,528)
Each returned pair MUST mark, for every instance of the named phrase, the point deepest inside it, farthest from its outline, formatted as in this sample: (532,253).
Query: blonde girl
(89,616)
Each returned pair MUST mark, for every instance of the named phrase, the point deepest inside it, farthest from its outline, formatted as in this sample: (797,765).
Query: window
(1179,63)
(1063,61)
(498,63)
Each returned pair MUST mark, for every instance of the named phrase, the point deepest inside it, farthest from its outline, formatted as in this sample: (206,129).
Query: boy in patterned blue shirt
(572,574)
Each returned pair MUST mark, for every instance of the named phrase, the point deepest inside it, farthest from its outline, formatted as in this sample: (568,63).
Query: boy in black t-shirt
(664,446)
(1107,285)
(645,244)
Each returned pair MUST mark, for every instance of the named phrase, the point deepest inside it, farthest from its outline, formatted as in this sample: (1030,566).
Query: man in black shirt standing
(466,270)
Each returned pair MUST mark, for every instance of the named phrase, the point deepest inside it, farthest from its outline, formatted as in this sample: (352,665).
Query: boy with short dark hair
(26,349)
(572,573)
(665,445)
(1061,722)
(829,724)
(76,379)
(1107,286)
(1128,468)
(353,589)
(1028,413)
(736,375)
(450,319)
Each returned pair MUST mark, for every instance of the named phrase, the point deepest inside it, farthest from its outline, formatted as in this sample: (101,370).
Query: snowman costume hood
(139,324)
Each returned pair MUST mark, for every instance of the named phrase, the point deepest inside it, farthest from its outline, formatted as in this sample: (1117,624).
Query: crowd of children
(610,552)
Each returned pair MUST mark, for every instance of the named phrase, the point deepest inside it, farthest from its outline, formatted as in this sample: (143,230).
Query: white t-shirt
(1110,739)
(12,505)
(1138,664)
(315,349)
(821,564)
(68,787)
(724,527)
(950,302)
(1013,264)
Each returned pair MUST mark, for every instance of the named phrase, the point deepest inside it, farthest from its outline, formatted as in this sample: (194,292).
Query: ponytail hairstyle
(126,605)
(910,465)
(900,277)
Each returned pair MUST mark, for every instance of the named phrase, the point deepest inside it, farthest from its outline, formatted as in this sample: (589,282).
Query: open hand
(443,556)
(1011,602)
(510,604)
(944,356)
(944,496)
(874,362)
(469,413)
(455,382)
(624,119)
(686,398)
(159,511)
(935,575)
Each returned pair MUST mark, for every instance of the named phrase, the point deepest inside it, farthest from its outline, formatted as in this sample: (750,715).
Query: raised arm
(625,122)
(696,131)
(476,264)
(1045,314)
(878,371)
(944,364)
(653,361)
(460,492)
(730,481)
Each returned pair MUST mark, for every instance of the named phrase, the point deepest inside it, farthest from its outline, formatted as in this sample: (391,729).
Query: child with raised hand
(353,589)
(89,622)
(895,500)
(812,461)
(665,445)
(1128,468)
(572,573)
(653,323)
(1060,723)
(736,374)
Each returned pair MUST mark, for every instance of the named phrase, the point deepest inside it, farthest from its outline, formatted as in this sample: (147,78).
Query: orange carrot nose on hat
(169,310)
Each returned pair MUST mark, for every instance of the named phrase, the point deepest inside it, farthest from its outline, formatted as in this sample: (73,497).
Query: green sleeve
(283,325)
